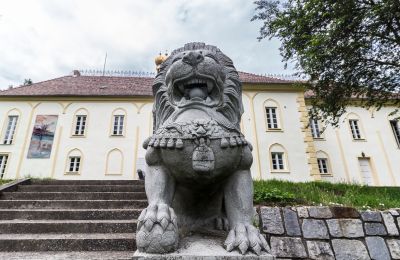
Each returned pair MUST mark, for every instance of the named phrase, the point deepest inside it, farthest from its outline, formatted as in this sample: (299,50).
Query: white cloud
(43,39)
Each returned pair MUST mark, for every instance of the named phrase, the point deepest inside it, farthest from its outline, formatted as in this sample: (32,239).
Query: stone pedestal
(198,247)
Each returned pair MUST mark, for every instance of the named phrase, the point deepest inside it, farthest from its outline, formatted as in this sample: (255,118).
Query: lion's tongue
(197,93)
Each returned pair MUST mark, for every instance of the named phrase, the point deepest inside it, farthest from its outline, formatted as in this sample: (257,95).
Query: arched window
(10,126)
(115,162)
(74,162)
(278,158)
(324,164)
(355,126)
(273,116)
(80,122)
(118,122)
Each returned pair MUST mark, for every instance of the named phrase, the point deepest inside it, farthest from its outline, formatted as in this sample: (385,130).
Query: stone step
(68,242)
(72,204)
(67,226)
(72,195)
(72,214)
(87,182)
(65,255)
(81,188)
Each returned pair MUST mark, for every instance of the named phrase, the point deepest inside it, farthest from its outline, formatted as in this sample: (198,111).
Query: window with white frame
(396,130)
(277,159)
(74,164)
(315,129)
(3,164)
(355,128)
(10,129)
(118,126)
(272,118)
(323,165)
(80,125)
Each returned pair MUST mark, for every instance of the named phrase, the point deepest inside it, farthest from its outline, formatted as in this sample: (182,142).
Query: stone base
(202,247)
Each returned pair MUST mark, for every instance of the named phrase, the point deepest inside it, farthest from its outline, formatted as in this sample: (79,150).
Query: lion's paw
(245,238)
(157,230)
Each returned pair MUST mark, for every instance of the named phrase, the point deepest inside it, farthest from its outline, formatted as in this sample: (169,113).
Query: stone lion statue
(198,174)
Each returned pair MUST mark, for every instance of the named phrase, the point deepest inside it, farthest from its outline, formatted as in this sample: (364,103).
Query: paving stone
(345,228)
(374,216)
(344,212)
(314,228)
(288,247)
(320,250)
(302,212)
(377,248)
(271,220)
(346,249)
(375,229)
(389,223)
(291,222)
(394,247)
(320,212)
(394,212)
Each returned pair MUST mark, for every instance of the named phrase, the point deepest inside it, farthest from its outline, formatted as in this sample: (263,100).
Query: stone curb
(12,186)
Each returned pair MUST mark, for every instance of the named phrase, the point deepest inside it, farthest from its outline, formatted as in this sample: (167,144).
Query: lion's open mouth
(195,90)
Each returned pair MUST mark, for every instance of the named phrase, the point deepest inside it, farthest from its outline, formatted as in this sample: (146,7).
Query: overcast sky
(44,39)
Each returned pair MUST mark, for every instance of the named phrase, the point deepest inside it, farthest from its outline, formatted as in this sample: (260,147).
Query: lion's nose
(193,58)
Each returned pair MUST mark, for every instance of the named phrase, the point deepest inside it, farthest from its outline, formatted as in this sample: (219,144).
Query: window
(3,164)
(74,164)
(315,131)
(323,165)
(396,130)
(10,130)
(272,120)
(80,125)
(277,161)
(355,129)
(118,126)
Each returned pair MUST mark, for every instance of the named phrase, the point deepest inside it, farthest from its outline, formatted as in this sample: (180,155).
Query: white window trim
(10,130)
(118,125)
(81,128)
(76,166)
(270,116)
(355,129)
(315,128)
(321,166)
(396,131)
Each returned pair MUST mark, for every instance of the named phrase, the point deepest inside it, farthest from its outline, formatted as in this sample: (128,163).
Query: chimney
(76,73)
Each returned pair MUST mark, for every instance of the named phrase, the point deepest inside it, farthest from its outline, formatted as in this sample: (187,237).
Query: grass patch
(4,181)
(285,193)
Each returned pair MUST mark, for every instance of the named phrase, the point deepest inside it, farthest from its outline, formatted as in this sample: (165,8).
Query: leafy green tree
(345,48)
(27,82)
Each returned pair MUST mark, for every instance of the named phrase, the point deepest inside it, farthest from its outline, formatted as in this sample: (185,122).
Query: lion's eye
(212,57)
(176,59)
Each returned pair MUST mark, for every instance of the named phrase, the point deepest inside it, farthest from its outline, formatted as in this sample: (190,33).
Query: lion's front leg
(157,224)
(238,195)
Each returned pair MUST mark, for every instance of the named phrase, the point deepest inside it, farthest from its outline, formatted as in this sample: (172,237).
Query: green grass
(285,193)
(4,181)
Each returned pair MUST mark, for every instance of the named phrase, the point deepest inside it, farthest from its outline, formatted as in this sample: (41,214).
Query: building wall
(109,157)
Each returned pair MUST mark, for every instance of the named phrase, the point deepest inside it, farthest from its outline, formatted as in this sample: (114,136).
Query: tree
(27,82)
(345,48)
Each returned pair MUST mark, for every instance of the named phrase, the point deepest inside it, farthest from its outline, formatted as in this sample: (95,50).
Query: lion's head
(201,75)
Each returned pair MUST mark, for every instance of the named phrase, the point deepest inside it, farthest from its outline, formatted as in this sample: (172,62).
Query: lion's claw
(246,238)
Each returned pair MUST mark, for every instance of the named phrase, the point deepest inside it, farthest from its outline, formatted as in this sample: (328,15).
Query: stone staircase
(58,215)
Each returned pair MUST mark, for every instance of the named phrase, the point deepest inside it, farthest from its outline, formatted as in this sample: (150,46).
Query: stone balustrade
(331,232)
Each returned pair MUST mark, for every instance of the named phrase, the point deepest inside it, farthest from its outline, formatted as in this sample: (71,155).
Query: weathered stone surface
(374,216)
(320,212)
(291,222)
(394,247)
(394,212)
(344,212)
(314,228)
(375,229)
(320,250)
(346,249)
(302,212)
(377,248)
(389,223)
(345,228)
(272,220)
(288,247)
